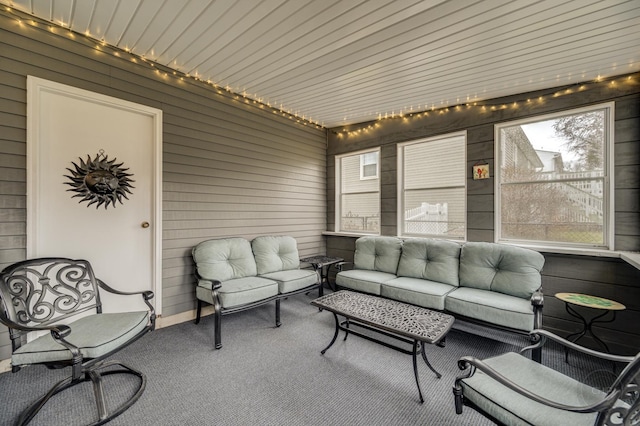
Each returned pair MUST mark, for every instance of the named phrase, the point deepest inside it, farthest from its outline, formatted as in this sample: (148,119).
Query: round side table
(577,299)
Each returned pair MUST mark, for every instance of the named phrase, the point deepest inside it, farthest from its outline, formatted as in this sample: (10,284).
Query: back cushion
(506,269)
(430,259)
(378,253)
(224,259)
(275,253)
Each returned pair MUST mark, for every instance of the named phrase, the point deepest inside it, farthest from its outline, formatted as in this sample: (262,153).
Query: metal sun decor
(99,181)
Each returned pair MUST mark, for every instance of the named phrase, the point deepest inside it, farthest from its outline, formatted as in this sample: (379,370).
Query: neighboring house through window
(369,165)
(358,193)
(554,183)
(431,187)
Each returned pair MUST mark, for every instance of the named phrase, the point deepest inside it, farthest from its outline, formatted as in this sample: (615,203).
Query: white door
(68,129)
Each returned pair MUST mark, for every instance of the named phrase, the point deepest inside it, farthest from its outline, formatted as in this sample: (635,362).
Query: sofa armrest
(344,266)
(537,298)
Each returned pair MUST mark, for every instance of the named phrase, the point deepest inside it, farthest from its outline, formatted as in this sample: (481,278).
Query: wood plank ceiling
(338,62)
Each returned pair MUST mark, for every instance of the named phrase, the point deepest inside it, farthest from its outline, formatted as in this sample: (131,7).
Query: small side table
(322,264)
(607,306)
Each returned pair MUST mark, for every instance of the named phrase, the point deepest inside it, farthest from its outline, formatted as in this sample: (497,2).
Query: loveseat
(234,274)
(494,284)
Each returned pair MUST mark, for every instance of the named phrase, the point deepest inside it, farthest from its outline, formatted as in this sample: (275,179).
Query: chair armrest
(146,294)
(470,364)
(543,335)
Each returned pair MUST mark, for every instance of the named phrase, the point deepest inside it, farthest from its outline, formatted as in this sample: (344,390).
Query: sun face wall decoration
(99,181)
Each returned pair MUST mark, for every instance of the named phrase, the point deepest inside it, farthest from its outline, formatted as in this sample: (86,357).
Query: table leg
(335,335)
(586,328)
(424,357)
(415,368)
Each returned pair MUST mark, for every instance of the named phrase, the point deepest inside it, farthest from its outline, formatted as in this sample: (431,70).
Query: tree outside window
(553,179)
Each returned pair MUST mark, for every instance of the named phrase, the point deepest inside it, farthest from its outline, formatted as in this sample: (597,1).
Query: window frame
(338,189)
(608,221)
(401,190)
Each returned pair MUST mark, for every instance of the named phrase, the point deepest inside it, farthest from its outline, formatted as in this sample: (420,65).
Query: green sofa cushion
(239,291)
(292,280)
(417,291)
(363,280)
(95,335)
(275,253)
(501,268)
(376,253)
(492,307)
(430,259)
(511,408)
(224,259)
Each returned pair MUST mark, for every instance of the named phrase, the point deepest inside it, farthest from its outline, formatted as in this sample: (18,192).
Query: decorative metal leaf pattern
(421,323)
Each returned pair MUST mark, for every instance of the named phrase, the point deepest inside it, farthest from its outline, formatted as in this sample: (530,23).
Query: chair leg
(278,313)
(457,395)
(217,328)
(198,311)
(93,375)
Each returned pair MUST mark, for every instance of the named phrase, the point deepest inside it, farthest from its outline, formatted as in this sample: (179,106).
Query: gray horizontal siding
(230,168)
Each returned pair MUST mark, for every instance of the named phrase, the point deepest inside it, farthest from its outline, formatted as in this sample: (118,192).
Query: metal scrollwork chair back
(57,302)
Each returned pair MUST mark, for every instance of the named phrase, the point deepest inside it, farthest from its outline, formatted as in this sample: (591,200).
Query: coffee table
(407,323)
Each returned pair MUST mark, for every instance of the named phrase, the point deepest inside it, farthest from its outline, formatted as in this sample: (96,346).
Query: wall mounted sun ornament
(99,181)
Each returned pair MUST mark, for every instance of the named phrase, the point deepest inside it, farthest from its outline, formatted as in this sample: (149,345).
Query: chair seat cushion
(363,280)
(490,306)
(511,408)
(293,279)
(95,335)
(417,291)
(239,291)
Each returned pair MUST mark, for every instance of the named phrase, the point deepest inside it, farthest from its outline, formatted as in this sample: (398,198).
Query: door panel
(69,127)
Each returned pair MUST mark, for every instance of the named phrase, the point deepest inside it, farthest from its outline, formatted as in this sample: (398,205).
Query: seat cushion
(95,335)
(224,259)
(501,268)
(375,253)
(239,291)
(430,259)
(363,280)
(491,307)
(511,408)
(292,280)
(421,292)
(275,253)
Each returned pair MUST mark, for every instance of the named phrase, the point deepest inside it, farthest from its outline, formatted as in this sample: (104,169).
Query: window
(369,165)
(432,191)
(358,193)
(554,184)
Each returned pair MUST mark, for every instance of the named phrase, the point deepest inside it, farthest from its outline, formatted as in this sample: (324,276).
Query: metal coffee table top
(418,323)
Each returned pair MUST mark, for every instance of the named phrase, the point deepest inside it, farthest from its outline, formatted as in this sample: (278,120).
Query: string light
(484,107)
(103,47)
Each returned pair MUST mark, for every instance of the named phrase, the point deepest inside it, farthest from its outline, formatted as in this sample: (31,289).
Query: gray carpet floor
(265,375)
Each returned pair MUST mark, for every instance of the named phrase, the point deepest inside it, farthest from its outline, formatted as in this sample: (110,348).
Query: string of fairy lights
(486,107)
(347,131)
(164,72)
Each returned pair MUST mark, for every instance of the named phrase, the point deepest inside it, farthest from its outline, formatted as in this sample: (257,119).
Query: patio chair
(512,389)
(56,301)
